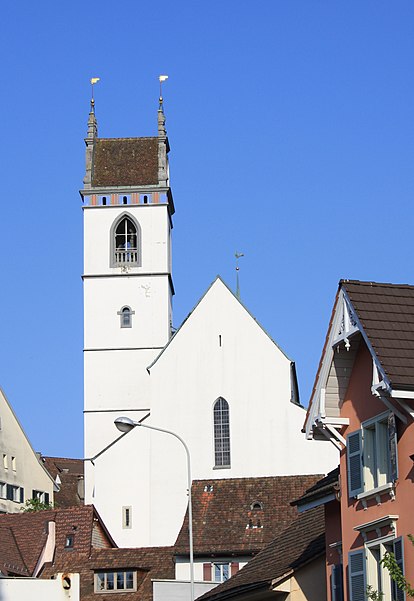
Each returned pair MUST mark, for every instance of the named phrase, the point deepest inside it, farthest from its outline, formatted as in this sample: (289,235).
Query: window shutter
(207,572)
(357,580)
(392,443)
(21,490)
(337,589)
(9,493)
(398,594)
(354,457)
(46,498)
(234,568)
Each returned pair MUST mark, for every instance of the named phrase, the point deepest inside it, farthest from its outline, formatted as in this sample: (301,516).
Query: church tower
(128,208)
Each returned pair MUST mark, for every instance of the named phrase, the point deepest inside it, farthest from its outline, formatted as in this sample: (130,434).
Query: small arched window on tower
(221,433)
(125,240)
(125,315)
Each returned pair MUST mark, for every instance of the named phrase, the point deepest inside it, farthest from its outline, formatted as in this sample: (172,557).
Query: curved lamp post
(125,425)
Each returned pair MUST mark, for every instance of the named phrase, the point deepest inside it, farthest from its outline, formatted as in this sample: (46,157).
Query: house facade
(363,402)
(220,382)
(22,474)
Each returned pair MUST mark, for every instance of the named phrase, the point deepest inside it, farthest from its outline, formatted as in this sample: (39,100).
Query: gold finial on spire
(161,79)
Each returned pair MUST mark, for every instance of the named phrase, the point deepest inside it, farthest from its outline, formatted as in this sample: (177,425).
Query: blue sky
(291,128)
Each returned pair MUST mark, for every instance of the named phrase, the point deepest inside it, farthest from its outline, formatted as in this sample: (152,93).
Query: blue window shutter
(21,495)
(337,589)
(392,442)
(354,462)
(357,579)
(398,548)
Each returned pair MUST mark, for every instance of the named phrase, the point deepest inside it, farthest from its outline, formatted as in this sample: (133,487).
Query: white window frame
(101,578)
(376,574)
(219,571)
(376,460)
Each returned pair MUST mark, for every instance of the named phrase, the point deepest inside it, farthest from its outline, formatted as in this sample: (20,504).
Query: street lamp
(125,425)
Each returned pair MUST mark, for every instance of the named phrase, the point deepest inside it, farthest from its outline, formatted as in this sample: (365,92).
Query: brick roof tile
(125,162)
(223,518)
(386,312)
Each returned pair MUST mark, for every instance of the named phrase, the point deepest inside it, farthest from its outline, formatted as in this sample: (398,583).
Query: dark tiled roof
(224,520)
(322,488)
(125,162)
(150,563)
(11,560)
(386,312)
(30,531)
(71,474)
(301,542)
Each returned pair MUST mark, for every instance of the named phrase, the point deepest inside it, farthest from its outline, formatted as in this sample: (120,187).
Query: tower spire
(238,255)
(91,135)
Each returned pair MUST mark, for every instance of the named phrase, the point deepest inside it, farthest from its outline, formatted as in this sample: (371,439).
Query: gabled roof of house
(68,475)
(125,162)
(30,532)
(241,515)
(382,317)
(149,563)
(20,427)
(299,544)
(386,313)
(213,283)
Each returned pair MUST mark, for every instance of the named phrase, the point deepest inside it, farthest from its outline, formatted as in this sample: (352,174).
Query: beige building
(22,476)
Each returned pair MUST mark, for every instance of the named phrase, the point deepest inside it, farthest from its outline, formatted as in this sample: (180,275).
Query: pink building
(363,402)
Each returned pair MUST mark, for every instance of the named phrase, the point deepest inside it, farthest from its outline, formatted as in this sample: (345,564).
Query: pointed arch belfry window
(125,242)
(221,433)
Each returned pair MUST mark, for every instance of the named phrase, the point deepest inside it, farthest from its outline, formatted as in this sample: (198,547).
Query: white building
(220,382)
(22,475)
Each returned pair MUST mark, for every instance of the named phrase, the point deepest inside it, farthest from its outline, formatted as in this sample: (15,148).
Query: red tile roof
(125,162)
(71,474)
(224,517)
(149,563)
(301,542)
(30,531)
(386,312)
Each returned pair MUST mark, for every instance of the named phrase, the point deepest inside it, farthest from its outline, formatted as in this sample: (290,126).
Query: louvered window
(357,580)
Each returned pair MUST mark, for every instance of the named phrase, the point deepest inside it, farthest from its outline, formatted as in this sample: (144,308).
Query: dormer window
(125,241)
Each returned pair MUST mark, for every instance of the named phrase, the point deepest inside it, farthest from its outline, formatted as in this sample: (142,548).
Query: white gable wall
(253,375)
(25,471)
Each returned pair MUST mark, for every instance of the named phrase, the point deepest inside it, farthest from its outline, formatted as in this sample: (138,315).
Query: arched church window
(126,241)
(125,315)
(221,433)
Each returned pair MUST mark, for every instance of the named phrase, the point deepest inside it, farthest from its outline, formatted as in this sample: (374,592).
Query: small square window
(69,541)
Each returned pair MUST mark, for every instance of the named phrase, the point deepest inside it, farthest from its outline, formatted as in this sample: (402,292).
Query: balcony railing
(129,256)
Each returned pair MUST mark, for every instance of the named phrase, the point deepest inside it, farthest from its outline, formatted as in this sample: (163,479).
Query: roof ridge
(372,283)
